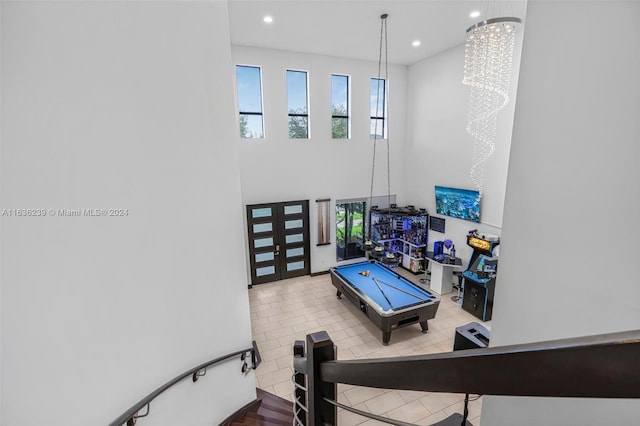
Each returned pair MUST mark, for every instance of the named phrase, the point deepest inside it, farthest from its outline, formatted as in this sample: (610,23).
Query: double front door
(278,240)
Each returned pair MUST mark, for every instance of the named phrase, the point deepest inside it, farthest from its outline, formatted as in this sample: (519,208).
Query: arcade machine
(480,276)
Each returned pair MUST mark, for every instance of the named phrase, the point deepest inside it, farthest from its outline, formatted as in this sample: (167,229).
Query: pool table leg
(424,326)
(386,336)
(338,294)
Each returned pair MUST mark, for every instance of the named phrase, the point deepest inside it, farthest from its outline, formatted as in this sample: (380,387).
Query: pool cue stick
(404,291)
(382,291)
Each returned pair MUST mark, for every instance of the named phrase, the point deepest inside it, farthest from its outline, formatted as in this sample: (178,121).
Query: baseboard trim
(315,274)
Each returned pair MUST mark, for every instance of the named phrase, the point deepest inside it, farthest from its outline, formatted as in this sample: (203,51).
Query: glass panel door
(263,247)
(295,250)
(278,240)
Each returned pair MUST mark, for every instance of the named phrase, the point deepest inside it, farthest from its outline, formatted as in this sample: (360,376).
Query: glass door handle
(277,252)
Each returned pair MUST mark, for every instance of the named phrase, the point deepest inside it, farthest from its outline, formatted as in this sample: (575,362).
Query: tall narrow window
(298,104)
(249,83)
(378,108)
(339,106)
(350,230)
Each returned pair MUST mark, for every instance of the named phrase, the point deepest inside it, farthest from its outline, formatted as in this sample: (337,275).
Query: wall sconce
(324,221)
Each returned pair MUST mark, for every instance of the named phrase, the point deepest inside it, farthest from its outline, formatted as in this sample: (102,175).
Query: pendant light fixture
(488,66)
(368,244)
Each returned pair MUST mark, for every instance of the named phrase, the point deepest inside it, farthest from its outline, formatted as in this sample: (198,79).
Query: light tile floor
(288,310)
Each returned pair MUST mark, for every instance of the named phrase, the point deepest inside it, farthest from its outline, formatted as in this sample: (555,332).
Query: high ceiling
(351,28)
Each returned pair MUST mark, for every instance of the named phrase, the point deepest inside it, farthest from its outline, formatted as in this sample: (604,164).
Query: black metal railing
(590,367)
(130,416)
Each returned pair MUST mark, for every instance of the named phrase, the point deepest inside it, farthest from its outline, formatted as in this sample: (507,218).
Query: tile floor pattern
(288,310)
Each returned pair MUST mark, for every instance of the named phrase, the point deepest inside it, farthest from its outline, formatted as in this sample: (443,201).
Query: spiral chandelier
(488,66)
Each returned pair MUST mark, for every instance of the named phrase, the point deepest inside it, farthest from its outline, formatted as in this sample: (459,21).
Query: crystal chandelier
(488,64)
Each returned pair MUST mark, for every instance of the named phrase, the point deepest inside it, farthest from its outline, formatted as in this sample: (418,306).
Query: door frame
(280,248)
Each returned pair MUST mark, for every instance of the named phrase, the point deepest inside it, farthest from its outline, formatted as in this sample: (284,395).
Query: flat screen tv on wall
(458,203)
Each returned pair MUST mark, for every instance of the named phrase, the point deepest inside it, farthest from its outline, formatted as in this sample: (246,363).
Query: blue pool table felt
(361,277)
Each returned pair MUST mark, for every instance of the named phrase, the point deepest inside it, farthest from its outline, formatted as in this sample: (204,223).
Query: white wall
(1,126)
(277,168)
(572,210)
(439,149)
(120,105)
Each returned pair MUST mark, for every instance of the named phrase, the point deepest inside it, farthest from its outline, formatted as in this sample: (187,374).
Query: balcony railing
(584,367)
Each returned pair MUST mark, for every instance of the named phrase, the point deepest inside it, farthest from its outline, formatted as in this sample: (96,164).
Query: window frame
(251,113)
(348,236)
(382,117)
(305,115)
(348,104)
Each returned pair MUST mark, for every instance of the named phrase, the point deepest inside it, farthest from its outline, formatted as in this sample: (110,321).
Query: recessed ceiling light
(474,14)
(416,43)
(268,19)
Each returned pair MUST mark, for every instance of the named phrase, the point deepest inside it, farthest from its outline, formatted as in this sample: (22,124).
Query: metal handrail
(301,405)
(368,415)
(131,414)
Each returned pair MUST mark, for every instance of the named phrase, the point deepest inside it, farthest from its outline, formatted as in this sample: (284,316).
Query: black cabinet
(477,298)
(471,336)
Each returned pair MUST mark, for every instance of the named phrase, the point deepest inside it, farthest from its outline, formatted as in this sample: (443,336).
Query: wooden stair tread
(286,409)
(271,411)
(263,412)
(261,419)
(276,411)
(274,402)
(267,396)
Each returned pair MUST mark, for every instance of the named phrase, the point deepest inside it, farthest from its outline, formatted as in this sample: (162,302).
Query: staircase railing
(131,415)
(590,367)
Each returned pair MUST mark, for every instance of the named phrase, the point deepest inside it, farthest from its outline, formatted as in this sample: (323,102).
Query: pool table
(388,299)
